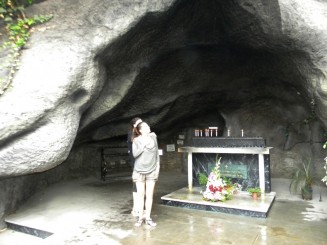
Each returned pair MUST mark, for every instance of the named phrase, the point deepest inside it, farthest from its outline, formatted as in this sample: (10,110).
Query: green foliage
(254,190)
(19,31)
(302,177)
(227,181)
(203,179)
(17,24)
(11,11)
(17,27)
(216,169)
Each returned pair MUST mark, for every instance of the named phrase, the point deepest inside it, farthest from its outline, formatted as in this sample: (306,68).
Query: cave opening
(200,64)
(199,83)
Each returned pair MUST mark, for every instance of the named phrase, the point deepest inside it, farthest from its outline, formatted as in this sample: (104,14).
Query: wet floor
(93,212)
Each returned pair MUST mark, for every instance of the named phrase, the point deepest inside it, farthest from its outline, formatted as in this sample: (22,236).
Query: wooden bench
(115,162)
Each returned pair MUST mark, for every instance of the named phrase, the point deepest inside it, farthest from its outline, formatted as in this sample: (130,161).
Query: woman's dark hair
(135,130)
(134,120)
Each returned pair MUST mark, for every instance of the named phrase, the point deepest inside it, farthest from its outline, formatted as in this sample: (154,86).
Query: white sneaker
(139,223)
(150,223)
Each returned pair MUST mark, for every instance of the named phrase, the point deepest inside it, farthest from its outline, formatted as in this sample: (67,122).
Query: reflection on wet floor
(90,211)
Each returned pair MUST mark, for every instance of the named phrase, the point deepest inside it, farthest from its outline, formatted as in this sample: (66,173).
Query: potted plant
(255,192)
(302,180)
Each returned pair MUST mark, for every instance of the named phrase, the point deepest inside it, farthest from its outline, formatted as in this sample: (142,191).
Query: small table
(260,151)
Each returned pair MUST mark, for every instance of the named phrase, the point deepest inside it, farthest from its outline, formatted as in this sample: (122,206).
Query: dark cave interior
(199,62)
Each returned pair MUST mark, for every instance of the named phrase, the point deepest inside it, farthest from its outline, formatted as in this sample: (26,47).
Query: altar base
(241,204)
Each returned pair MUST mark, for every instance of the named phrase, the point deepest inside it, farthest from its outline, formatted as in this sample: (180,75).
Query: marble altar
(244,160)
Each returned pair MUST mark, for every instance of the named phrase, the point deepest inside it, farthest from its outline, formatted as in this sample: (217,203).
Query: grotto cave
(257,66)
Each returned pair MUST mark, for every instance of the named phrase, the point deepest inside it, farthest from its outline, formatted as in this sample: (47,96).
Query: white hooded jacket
(146,154)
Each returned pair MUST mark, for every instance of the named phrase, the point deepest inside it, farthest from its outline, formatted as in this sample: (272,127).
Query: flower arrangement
(217,188)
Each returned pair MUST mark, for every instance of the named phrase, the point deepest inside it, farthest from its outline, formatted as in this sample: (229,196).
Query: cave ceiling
(196,60)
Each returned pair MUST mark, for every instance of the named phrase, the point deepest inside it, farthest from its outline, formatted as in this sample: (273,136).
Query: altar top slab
(226,142)
(232,150)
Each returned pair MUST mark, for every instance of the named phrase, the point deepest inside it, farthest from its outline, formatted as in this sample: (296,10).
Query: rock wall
(253,65)
(82,162)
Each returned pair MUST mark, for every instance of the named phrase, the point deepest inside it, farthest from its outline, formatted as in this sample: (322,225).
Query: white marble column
(261,173)
(190,170)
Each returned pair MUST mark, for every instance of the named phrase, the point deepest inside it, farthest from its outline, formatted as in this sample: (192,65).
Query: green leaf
(30,22)
(8,19)
(15,28)
(20,42)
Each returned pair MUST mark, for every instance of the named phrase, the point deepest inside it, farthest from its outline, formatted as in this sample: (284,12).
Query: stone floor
(93,212)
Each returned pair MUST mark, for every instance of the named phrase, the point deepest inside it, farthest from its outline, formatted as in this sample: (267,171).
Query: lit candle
(228,132)
(242,132)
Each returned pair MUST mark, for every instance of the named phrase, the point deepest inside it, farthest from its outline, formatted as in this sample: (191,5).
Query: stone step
(241,203)
(12,237)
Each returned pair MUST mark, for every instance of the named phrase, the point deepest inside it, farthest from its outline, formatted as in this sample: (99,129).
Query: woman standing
(133,123)
(146,169)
